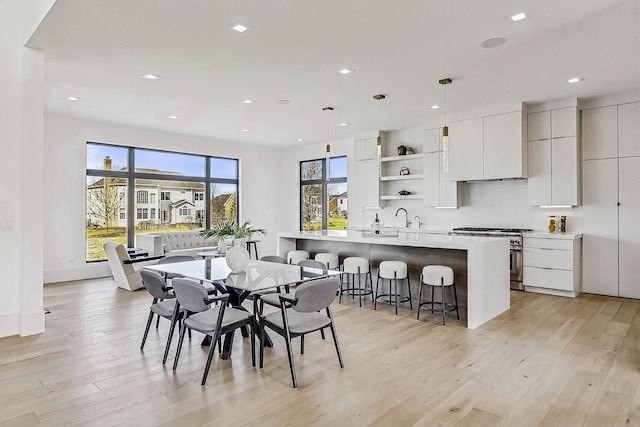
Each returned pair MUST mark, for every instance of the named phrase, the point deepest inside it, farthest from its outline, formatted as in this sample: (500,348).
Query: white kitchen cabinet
(504,153)
(539,182)
(629,226)
(539,126)
(629,126)
(554,161)
(551,264)
(432,140)
(366,184)
(564,122)
(466,150)
(365,149)
(600,133)
(438,190)
(600,226)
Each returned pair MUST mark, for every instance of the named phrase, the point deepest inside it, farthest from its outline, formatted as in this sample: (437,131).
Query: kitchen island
(481,263)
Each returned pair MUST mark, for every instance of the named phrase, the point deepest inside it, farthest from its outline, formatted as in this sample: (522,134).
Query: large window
(323,194)
(133,191)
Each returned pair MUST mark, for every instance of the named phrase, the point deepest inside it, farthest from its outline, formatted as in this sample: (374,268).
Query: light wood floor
(547,361)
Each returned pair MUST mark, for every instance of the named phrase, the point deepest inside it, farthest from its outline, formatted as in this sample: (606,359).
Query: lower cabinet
(551,265)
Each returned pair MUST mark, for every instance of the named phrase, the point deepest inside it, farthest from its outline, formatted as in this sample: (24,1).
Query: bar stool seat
(294,257)
(329,259)
(393,271)
(438,276)
(352,267)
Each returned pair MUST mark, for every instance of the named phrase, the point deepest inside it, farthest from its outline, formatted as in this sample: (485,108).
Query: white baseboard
(22,324)
(92,270)
(556,292)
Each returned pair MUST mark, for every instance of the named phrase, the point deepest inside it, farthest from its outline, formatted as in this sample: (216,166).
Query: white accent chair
(126,275)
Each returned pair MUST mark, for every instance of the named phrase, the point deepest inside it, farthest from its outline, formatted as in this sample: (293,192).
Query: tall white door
(629,235)
(600,225)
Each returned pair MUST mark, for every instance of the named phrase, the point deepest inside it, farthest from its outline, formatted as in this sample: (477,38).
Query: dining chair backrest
(312,263)
(155,285)
(274,258)
(191,295)
(316,295)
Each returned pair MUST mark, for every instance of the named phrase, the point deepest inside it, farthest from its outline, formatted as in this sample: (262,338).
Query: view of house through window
(133,191)
(323,194)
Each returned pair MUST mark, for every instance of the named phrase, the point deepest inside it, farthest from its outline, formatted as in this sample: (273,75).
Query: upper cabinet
(364,149)
(366,173)
(629,126)
(490,147)
(438,190)
(600,133)
(553,157)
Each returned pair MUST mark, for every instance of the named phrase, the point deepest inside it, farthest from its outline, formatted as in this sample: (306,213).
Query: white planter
(222,246)
(237,256)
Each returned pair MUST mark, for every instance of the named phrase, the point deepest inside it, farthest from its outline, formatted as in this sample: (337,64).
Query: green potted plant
(220,229)
(246,230)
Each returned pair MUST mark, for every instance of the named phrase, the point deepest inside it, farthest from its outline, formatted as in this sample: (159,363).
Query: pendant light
(379,98)
(445,129)
(327,110)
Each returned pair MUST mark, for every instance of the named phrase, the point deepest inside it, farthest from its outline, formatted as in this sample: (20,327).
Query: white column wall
(21,190)
(65,178)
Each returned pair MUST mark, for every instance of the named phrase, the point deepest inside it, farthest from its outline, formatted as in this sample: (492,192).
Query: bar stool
(393,271)
(329,259)
(356,266)
(438,276)
(294,257)
(251,243)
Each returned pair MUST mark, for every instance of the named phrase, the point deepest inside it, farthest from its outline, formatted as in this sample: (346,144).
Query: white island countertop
(488,293)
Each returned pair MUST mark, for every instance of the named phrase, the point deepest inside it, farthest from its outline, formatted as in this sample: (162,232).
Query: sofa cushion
(174,242)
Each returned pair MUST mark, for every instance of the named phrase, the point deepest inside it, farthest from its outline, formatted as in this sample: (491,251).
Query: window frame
(131,174)
(324,180)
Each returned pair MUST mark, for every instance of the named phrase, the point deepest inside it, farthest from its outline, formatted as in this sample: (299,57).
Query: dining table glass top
(256,276)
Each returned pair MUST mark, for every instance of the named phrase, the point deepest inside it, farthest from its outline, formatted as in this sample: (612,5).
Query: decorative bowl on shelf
(403,193)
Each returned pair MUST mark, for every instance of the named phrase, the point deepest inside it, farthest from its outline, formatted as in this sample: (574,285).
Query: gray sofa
(172,243)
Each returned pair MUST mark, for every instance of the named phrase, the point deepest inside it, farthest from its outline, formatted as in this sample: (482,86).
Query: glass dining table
(257,276)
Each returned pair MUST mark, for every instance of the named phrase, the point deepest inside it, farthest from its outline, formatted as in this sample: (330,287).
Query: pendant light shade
(445,129)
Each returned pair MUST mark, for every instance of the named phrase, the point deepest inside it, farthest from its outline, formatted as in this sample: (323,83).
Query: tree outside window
(323,194)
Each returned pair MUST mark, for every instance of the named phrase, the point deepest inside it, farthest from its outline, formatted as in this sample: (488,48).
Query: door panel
(629,243)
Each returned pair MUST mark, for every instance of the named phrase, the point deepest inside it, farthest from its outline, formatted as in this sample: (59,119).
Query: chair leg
(252,326)
(212,348)
(146,330)
(292,366)
(370,284)
(157,322)
(444,304)
(375,298)
(340,290)
(410,298)
(419,297)
(302,344)
(322,333)
(174,319)
(261,343)
(395,288)
(335,339)
(180,340)
(455,296)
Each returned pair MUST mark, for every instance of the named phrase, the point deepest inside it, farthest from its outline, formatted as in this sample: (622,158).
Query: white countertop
(546,235)
(443,241)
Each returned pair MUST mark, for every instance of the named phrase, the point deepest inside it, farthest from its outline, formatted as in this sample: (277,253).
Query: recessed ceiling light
(248,101)
(346,71)
(172,117)
(575,80)
(494,42)
(240,28)
(283,101)
(518,17)
(246,130)
(150,76)
(435,107)
(299,139)
(343,124)
(73,98)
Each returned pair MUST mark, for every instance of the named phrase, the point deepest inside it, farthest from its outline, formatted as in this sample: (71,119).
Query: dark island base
(415,257)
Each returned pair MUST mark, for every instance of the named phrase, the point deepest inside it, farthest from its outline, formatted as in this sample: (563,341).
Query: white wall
(21,141)
(64,195)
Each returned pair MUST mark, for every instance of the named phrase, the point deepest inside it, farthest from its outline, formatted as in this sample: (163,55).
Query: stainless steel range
(515,242)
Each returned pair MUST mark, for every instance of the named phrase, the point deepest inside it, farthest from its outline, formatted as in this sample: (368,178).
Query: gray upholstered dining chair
(300,315)
(213,321)
(274,298)
(163,305)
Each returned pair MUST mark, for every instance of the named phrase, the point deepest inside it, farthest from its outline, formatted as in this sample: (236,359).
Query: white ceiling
(97,50)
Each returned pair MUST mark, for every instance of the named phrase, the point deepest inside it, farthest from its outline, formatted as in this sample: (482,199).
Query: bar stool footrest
(392,301)
(447,307)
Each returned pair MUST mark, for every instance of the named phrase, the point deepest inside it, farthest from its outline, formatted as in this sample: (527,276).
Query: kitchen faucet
(417,223)
(406,216)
